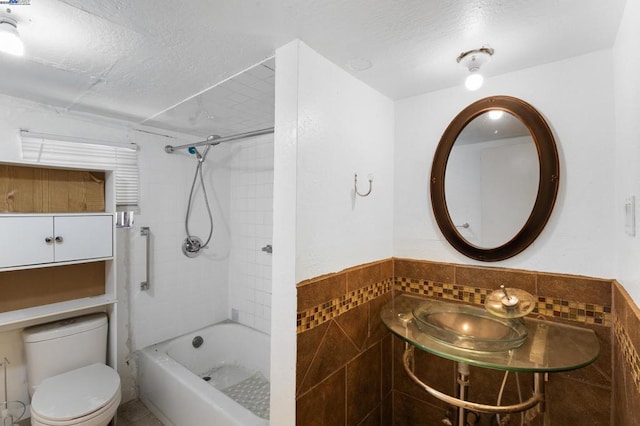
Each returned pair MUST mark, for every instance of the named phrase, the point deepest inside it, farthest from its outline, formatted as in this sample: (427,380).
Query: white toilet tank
(65,345)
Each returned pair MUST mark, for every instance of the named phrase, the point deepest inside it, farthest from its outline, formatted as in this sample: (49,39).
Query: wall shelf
(52,312)
(54,264)
(82,200)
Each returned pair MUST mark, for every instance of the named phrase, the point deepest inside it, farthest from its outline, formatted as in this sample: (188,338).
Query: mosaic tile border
(586,313)
(324,312)
(461,293)
(628,352)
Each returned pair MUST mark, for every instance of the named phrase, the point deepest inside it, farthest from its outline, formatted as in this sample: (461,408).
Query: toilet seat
(88,396)
(98,418)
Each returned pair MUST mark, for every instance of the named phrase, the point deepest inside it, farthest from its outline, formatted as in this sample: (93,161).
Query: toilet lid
(76,393)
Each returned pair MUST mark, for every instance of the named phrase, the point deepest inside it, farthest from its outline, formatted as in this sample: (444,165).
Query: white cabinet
(82,237)
(35,240)
(23,238)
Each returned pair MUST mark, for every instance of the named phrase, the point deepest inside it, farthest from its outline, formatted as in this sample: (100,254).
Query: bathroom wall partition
(329,125)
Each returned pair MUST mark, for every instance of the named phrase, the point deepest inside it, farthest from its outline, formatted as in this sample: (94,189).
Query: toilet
(69,382)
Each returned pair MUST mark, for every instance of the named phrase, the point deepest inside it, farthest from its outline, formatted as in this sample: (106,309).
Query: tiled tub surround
(349,366)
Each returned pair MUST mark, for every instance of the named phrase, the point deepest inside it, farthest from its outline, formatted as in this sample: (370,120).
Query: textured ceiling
(154,61)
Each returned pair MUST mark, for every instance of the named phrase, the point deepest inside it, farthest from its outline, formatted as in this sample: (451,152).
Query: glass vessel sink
(469,327)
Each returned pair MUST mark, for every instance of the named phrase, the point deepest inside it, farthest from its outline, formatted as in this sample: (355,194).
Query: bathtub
(175,378)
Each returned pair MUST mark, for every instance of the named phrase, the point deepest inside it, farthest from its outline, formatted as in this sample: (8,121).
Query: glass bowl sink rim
(453,324)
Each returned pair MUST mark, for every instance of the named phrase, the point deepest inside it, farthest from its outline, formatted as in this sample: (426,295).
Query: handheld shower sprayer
(200,157)
(206,151)
(192,245)
(193,150)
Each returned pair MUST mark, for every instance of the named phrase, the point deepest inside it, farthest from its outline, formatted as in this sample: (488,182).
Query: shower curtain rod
(215,140)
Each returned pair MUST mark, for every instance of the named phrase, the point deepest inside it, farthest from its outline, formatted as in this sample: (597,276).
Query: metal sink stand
(551,347)
(538,396)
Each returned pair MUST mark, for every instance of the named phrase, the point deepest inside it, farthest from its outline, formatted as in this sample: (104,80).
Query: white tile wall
(233,273)
(185,294)
(251,223)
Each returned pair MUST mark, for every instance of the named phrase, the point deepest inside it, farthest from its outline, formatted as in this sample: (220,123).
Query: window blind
(51,150)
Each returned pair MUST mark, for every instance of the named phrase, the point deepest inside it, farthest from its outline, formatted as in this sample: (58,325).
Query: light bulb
(496,114)
(474,81)
(10,39)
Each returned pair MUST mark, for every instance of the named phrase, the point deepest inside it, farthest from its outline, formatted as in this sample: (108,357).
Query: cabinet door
(83,237)
(23,240)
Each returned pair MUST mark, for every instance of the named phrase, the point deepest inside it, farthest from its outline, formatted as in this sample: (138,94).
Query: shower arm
(215,140)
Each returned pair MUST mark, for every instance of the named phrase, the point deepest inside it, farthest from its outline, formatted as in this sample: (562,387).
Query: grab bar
(146,232)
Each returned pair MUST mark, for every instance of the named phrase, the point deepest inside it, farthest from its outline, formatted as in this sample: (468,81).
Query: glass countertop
(549,346)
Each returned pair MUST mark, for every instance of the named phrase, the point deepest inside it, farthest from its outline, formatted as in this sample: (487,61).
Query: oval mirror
(494,178)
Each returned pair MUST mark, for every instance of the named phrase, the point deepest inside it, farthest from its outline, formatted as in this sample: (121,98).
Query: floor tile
(134,413)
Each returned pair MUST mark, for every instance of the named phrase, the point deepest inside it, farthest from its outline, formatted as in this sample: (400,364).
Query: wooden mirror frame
(547,187)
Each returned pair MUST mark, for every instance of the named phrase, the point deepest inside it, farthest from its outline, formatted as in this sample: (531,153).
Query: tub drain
(197,341)
(206,378)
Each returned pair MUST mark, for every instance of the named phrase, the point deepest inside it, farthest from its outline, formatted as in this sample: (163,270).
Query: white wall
(509,181)
(329,126)
(576,98)
(344,128)
(484,177)
(626,59)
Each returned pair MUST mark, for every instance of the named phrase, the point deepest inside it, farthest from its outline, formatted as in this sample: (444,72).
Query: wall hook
(355,186)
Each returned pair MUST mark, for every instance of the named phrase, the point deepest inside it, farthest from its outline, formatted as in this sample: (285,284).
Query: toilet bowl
(86,396)
(69,382)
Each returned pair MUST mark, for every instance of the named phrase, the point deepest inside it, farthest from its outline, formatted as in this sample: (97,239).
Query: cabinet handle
(59,239)
(48,240)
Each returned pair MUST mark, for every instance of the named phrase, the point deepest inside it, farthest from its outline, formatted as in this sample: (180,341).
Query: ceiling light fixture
(473,60)
(359,64)
(9,38)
